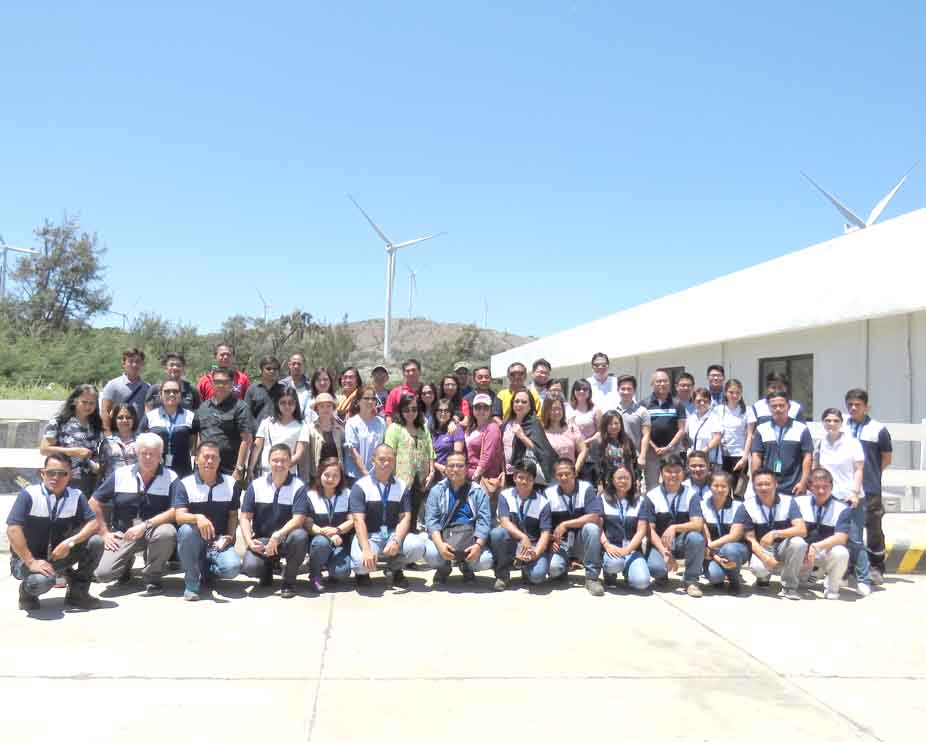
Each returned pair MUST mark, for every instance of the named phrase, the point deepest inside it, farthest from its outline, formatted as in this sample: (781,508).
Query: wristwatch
(71,543)
(241,469)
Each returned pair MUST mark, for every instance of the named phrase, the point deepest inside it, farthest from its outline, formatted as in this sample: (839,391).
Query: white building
(849,312)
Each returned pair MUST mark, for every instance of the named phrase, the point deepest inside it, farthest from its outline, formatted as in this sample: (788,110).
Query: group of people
(307,479)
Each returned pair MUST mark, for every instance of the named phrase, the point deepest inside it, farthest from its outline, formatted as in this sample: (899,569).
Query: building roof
(872,272)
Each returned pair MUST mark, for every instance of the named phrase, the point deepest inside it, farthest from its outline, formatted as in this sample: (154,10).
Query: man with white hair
(140,519)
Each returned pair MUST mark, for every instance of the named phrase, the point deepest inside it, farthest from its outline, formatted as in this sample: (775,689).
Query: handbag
(460,536)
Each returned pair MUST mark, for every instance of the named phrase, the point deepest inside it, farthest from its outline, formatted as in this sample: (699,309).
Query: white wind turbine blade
(842,209)
(882,204)
(417,240)
(372,223)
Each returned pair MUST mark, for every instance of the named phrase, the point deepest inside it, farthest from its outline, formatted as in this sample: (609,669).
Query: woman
(283,426)
(347,399)
(450,390)
(614,448)
(324,438)
(485,460)
(77,432)
(332,527)
(564,437)
(320,383)
(626,524)
(410,438)
(586,417)
(119,448)
(427,394)
(446,436)
(735,436)
(724,530)
(557,388)
(362,434)
(176,426)
(523,438)
(703,427)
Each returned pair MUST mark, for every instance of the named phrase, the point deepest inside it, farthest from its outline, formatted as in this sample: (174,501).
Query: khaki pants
(158,545)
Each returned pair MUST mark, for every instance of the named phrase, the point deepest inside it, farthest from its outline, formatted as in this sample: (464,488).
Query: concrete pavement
(457,664)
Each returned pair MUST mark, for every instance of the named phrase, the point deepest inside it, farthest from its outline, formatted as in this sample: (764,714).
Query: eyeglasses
(369,399)
(54,473)
(217,382)
(443,412)
(411,409)
(599,365)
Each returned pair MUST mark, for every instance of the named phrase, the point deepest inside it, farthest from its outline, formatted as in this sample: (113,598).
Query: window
(799,372)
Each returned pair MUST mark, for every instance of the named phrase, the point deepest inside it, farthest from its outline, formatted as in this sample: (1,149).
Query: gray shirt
(635,417)
(122,391)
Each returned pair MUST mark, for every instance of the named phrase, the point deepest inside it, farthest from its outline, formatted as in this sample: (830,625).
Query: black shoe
(154,588)
(363,580)
(399,579)
(763,583)
(266,579)
(287,591)
(469,576)
(83,600)
(125,577)
(28,602)
(440,578)
(610,580)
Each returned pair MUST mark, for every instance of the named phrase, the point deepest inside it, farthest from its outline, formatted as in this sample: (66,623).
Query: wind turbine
(391,249)
(412,288)
(854,221)
(267,307)
(3,271)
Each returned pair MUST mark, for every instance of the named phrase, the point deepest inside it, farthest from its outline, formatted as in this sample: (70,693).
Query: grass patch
(33,391)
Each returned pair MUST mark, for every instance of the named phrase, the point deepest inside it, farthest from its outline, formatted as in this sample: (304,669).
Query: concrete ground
(460,664)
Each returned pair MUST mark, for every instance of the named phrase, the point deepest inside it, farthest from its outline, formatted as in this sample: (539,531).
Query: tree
(62,287)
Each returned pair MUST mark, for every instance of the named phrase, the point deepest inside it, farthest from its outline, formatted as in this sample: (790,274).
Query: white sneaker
(863,589)
(831,595)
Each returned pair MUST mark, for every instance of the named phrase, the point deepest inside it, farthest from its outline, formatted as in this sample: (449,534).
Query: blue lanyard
(54,509)
(673,506)
(570,501)
(781,434)
(771,511)
(818,513)
(523,508)
(718,515)
(145,500)
(383,496)
(171,424)
(329,506)
(857,429)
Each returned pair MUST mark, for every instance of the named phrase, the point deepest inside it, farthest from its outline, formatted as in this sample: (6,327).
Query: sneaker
(594,587)
(790,594)
(693,590)
(287,591)
(28,602)
(610,580)
(154,588)
(734,587)
(831,594)
(844,582)
(877,576)
(317,585)
(469,576)
(561,578)
(83,600)
(329,580)
(125,577)
(191,596)
(399,579)
(501,583)
(363,581)
(863,589)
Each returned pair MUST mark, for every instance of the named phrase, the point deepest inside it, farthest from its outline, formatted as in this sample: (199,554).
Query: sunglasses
(54,473)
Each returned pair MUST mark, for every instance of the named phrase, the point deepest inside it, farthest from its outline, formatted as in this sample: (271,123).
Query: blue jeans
(323,554)
(197,556)
(858,553)
(412,550)
(505,548)
(586,547)
(85,555)
(634,568)
(737,553)
(689,546)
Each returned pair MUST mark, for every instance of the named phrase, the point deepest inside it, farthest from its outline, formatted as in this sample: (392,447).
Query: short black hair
(173,355)
(563,461)
(763,471)
(59,457)
(598,355)
(685,375)
(541,362)
(526,466)
(411,362)
(860,394)
(279,447)
(777,395)
(673,459)
(716,367)
(627,379)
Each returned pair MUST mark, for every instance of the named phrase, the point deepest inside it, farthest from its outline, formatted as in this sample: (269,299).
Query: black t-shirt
(664,418)
(224,423)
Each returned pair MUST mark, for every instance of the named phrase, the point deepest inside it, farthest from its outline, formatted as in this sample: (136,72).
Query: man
(759,412)
(461,372)
(676,527)
(524,529)
(517,373)
(827,522)
(577,514)
(273,522)
(775,531)
(206,511)
(482,379)
(878,451)
(51,527)
(299,381)
(225,421)
(604,385)
(635,416)
(225,360)
(141,519)
(699,474)
(784,446)
(667,420)
(380,376)
(126,389)
(540,377)
(457,508)
(684,386)
(261,397)
(174,366)
(411,372)
(716,377)
(381,508)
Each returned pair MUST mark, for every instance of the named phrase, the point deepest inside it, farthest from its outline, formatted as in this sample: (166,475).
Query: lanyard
(700,428)
(145,500)
(673,506)
(857,429)
(383,496)
(781,434)
(718,515)
(54,510)
(171,424)
(818,513)
(570,501)
(523,508)
(769,517)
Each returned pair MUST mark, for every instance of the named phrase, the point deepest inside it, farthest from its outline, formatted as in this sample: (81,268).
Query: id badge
(384,531)
(776,467)
(169,460)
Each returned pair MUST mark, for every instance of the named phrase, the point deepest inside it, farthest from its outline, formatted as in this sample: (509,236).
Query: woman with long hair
(119,448)
(410,438)
(332,527)
(626,524)
(347,399)
(485,458)
(428,396)
(564,437)
(703,427)
(77,432)
(450,390)
(735,436)
(322,382)
(614,447)
(523,438)
(362,434)
(446,436)
(724,531)
(283,426)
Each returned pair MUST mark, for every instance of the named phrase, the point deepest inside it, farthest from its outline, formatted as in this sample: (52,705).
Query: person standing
(447,436)
(523,438)
(603,385)
(667,421)
(380,376)
(411,440)
(176,427)
(299,381)
(517,373)
(564,437)
(411,373)
(50,528)
(760,413)
(461,372)
(225,421)
(119,448)
(878,450)
(715,383)
(174,365)
(225,361)
(284,426)
(261,397)
(636,418)
(482,379)
(684,386)
(362,434)
(784,446)
(484,449)
(323,438)
(735,436)
(129,388)
(346,401)
(77,432)
(540,378)
(703,427)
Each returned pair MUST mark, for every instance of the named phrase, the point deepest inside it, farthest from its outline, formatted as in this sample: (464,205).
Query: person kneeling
(273,516)
(627,518)
(206,510)
(827,521)
(331,526)
(458,517)
(523,535)
(724,528)
(381,508)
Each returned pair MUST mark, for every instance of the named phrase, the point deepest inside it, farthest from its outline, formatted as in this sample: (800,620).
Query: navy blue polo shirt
(131,500)
(273,506)
(47,520)
(621,518)
(875,440)
(823,520)
(368,496)
(673,508)
(532,515)
(762,519)
(664,418)
(176,433)
(583,500)
(215,501)
(783,450)
(720,520)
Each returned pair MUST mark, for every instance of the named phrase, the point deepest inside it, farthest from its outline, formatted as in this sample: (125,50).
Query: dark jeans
(292,551)
(85,555)
(873,516)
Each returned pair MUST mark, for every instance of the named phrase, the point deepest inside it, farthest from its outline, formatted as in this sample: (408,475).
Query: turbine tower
(854,222)
(391,249)
(412,288)
(267,307)
(4,270)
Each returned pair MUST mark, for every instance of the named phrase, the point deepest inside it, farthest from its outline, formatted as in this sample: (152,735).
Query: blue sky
(582,156)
